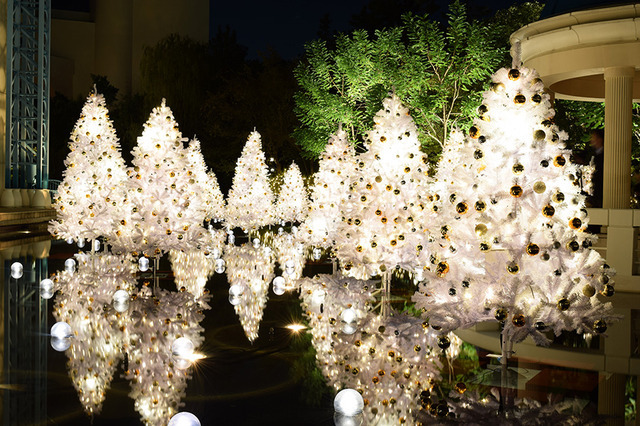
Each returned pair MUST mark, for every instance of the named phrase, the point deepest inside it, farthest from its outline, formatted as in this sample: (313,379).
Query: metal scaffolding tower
(28,36)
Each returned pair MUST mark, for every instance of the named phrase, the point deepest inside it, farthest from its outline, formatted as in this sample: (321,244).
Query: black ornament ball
(608,290)
(540,326)
(600,326)
(563,304)
(501,314)
(444,342)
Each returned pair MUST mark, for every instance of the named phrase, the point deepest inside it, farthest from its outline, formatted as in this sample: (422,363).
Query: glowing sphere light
(184,418)
(61,330)
(17,270)
(348,402)
(46,288)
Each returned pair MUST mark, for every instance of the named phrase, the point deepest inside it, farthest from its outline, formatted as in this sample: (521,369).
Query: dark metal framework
(25,344)
(28,45)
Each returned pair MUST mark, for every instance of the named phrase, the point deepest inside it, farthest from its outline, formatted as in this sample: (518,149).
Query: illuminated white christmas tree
(167,207)
(158,376)
(382,223)
(84,302)
(291,256)
(250,200)
(92,197)
(390,360)
(292,204)
(519,215)
(212,200)
(330,186)
(249,272)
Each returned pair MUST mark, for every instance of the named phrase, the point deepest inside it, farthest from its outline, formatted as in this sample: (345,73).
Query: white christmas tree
(330,187)
(516,243)
(84,302)
(292,204)
(250,200)
(249,272)
(382,223)
(212,200)
(390,360)
(291,256)
(92,197)
(167,207)
(158,378)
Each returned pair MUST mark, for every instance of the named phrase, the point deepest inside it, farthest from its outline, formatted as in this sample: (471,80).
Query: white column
(618,101)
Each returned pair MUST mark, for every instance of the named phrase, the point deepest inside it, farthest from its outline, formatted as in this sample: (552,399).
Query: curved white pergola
(592,55)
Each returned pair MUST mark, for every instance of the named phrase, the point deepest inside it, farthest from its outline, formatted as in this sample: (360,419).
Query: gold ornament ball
(514,74)
(517,168)
(518,320)
(461,387)
(516,191)
(548,211)
(533,249)
(442,268)
(481,229)
(539,135)
(588,290)
(539,187)
(575,223)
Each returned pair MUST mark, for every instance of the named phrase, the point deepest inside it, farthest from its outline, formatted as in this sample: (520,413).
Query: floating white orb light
(235,294)
(256,242)
(143,264)
(348,316)
(121,300)
(46,288)
(220,266)
(60,345)
(70,265)
(61,330)
(215,253)
(278,285)
(80,242)
(182,347)
(348,402)
(184,418)
(17,270)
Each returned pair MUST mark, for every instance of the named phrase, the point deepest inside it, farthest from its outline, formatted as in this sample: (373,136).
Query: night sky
(286,25)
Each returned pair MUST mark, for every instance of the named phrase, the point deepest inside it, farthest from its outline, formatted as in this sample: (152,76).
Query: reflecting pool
(247,335)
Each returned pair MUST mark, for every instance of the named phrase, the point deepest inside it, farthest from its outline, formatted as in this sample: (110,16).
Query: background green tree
(438,70)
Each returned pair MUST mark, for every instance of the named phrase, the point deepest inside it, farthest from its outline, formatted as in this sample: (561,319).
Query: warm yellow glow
(296,328)
(195,357)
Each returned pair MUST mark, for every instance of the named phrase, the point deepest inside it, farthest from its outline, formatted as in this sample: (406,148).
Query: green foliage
(305,371)
(439,73)
(630,410)
(184,85)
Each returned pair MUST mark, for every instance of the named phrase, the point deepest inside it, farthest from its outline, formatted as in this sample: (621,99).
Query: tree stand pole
(156,265)
(506,396)
(385,285)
